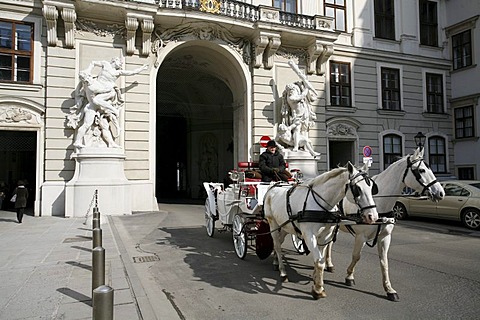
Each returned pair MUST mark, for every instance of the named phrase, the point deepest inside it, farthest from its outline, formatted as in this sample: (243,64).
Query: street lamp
(420,139)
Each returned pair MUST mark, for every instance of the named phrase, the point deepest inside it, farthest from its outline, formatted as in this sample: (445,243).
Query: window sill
(435,115)
(472,66)
(341,109)
(398,113)
(469,139)
(21,86)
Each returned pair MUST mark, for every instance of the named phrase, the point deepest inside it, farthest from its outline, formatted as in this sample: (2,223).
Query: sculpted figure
(297,117)
(98,101)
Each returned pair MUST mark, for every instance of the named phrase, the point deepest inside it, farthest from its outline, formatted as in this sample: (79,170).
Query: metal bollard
(103,303)
(98,267)
(96,218)
(97,238)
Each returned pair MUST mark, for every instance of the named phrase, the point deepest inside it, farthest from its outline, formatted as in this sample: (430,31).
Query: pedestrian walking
(21,193)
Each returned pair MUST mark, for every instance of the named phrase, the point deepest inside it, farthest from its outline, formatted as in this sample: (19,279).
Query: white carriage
(239,208)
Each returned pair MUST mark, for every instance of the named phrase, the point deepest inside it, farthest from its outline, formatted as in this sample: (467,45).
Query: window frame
(336,7)
(283,7)
(463,119)
(391,90)
(15,53)
(434,94)
(386,157)
(340,84)
(424,89)
(434,155)
(462,63)
(428,24)
(382,18)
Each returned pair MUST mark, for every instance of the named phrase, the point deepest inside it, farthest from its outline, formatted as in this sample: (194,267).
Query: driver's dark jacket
(267,162)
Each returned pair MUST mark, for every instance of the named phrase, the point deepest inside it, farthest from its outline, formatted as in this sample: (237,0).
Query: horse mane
(326,175)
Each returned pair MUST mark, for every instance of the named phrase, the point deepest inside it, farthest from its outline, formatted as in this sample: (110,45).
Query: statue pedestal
(99,169)
(302,160)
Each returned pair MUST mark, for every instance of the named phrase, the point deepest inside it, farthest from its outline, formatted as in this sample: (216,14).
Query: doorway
(194,128)
(340,152)
(18,161)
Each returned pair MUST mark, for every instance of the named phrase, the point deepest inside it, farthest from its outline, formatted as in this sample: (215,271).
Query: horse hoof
(393,297)
(317,295)
(350,282)
(284,279)
(330,269)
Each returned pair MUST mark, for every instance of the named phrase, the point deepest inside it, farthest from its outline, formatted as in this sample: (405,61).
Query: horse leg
(357,249)
(318,291)
(328,258)
(281,236)
(383,246)
(277,247)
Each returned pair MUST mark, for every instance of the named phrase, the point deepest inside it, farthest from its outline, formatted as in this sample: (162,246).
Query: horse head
(360,190)
(420,177)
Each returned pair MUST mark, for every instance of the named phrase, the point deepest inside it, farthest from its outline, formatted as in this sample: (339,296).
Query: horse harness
(416,173)
(325,215)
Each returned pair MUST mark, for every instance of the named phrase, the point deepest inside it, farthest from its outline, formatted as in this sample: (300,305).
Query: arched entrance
(197,104)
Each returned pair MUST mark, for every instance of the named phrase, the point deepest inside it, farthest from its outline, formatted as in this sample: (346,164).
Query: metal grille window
(437,154)
(336,9)
(462,50)
(340,87)
(286,5)
(464,122)
(434,87)
(16,46)
(384,19)
(392,149)
(390,89)
(428,23)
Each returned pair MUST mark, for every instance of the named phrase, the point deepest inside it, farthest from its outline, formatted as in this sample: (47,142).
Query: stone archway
(199,106)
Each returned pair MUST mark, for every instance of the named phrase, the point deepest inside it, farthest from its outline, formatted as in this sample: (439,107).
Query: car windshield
(476,185)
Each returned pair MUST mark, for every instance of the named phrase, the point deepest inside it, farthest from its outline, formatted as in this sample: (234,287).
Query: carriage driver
(272,165)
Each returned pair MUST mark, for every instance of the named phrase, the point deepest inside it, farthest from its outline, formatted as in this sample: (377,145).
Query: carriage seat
(253,171)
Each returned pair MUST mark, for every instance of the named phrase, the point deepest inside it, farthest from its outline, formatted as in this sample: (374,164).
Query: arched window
(392,149)
(437,154)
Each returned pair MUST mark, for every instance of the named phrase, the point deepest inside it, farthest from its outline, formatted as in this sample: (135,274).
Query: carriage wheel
(298,244)
(239,237)
(209,220)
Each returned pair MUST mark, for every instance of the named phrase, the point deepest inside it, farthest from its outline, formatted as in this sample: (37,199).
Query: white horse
(306,211)
(410,171)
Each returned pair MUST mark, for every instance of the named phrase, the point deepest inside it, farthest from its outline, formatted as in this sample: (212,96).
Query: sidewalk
(45,270)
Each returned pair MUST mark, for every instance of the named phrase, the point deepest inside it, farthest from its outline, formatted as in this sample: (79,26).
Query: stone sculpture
(297,114)
(97,104)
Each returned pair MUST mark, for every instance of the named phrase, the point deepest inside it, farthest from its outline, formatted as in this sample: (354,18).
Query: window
(434,87)
(286,5)
(336,9)
(462,50)
(340,87)
(392,149)
(453,190)
(466,173)
(390,89)
(437,154)
(384,19)
(464,122)
(16,44)
(428,23)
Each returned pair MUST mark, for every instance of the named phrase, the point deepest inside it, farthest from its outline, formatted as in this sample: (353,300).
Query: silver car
(461,203)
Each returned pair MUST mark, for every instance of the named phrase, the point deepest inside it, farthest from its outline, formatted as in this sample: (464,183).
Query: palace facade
(216,73)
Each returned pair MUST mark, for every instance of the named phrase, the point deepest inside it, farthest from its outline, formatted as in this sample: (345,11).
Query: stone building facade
(213,88)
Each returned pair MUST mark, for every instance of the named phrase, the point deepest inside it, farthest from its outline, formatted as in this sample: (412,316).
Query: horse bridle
(356,190)
(416,173)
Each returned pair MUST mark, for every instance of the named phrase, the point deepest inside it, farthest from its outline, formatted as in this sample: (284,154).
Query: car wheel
(471,218)
(399,211)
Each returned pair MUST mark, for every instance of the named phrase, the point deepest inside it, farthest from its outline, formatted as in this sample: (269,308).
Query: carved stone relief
(18,115)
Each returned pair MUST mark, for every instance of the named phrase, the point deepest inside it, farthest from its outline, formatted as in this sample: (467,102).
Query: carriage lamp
(420,139)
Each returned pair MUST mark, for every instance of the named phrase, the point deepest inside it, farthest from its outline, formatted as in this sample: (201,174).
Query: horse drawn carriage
(238,207)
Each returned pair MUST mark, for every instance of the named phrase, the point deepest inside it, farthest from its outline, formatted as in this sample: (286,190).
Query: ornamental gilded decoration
(210,6)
